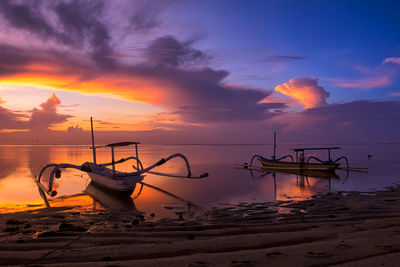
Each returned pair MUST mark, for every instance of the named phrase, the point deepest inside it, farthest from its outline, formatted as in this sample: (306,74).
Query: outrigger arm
(329,161)
(56,172)
(261,157)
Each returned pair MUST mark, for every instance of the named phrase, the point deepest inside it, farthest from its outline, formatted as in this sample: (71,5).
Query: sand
(337,229)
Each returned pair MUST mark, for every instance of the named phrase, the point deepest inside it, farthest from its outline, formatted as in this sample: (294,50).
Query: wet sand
(339,229)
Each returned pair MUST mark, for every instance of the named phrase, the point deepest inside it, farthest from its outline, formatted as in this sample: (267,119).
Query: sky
(184,72)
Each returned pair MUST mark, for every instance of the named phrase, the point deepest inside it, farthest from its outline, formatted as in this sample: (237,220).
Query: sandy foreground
(339,229)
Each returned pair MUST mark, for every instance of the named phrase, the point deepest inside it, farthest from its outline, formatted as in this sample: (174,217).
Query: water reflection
(8,165)
(103,198)
(19,165)
(297,184)
(109,199)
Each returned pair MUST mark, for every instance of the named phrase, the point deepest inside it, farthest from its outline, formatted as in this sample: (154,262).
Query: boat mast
(274,156)
(93,147)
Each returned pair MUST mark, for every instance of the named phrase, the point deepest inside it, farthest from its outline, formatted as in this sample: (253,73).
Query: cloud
(304,90)
(173,74)
(29,17)
(10,120)
(47,116)
(366,83)
(378,76)
(188,92)
(167,51)
(146,15)
(395,60)
(39,119)
(355,122)
(277,58)
(80,20)
(75,130)
(395,94)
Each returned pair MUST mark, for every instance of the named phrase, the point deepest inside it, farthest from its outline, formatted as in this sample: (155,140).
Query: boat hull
(122,184)
(298,165)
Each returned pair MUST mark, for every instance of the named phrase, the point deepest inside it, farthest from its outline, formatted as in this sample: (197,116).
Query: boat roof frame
(315,148)
(119,144)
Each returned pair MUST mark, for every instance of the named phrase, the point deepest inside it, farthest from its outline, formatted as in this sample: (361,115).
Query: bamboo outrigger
(113,179)
(301,162)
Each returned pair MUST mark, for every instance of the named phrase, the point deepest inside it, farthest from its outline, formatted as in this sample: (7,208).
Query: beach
(335,229)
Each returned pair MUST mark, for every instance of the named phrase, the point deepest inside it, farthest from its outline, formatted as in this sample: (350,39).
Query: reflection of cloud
(304,90)
(391,60)
(8,161)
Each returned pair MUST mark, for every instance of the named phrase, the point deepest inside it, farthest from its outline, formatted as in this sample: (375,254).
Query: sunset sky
(199,71)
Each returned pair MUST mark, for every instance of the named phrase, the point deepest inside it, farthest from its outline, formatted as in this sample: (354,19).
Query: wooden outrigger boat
(301,162)
(111,178)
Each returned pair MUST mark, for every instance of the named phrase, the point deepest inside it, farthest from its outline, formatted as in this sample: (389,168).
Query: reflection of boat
(110,177)
(301,162)
(109,198)
(303,172)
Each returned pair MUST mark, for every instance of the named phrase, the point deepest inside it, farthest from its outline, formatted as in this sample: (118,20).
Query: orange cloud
(129,87)
(304,90)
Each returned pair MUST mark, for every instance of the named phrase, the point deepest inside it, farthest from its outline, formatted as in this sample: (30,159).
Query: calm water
(225,185)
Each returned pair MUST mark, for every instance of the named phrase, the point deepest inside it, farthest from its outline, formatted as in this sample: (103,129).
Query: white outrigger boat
(111,178)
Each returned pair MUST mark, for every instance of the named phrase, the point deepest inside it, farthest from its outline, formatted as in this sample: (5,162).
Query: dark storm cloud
(78,23)
(197,94)
(283,58)
(145,15)
(28,16)
(168,51)
(356,121)
(361,110)
(11,59)
(203,98)
(81,19)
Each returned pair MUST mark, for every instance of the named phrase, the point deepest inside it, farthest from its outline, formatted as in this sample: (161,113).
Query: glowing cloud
(391,60)
(42,119)
(304,90)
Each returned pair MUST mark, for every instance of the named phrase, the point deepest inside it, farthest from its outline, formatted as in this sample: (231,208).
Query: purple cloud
(47,116)
(282,58)
(356,121)
(167,51)
(395,60)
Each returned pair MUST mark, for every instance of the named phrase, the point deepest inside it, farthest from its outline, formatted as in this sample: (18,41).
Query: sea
(375,167)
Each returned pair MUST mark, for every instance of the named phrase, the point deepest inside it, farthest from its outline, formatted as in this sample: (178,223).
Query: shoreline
(344,229)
